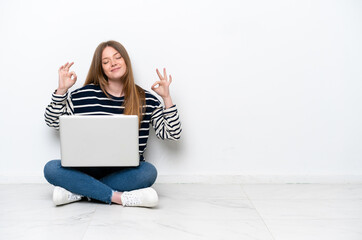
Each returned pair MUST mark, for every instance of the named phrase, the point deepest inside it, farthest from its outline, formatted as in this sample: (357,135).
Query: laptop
(99,141)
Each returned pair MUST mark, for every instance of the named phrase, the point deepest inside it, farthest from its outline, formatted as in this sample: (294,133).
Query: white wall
(265,89)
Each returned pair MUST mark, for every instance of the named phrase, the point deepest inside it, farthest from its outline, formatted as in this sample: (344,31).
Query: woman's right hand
(66,79)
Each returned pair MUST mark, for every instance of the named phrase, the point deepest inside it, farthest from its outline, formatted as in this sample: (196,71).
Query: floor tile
(180,229)
(28,212)
(197,191)
(46,222)
(214,209)
(297,229)
(303,191)
(190,211)
(309,209)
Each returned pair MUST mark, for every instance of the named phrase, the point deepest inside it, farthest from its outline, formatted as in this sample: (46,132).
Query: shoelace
(130,199)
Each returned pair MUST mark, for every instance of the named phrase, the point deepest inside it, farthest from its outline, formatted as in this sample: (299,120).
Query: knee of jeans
(151,173)
(51,169)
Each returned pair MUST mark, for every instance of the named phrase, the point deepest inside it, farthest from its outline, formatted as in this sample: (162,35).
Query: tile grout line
(242,189)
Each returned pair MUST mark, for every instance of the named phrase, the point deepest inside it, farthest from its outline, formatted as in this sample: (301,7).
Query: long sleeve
(60,105)
(166,123)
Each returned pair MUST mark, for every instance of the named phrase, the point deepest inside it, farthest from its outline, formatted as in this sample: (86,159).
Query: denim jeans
(99,183)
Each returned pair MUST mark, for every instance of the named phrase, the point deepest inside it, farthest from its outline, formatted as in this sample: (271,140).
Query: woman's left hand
(163,85)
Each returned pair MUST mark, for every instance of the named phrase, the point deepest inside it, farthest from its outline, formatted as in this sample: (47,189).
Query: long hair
(134,96)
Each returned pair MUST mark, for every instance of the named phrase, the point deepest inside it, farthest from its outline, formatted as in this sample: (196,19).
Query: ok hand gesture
(66,79)
(163,85)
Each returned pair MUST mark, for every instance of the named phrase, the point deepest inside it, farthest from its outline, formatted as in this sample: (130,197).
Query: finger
(155,84)
(63,68)
(68,66)
(73,75)
(164,73)
(71,64)
(159,74)
(170,79)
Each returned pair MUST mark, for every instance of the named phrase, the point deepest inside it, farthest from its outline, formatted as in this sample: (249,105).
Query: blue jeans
(100,182)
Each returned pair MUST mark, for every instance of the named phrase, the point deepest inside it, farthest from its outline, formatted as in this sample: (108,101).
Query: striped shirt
(91,100)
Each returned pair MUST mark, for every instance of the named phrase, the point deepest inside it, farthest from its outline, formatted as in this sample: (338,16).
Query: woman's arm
(60,104)
(166,122)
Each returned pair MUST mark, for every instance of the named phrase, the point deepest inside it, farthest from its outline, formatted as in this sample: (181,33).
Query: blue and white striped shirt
(91,100)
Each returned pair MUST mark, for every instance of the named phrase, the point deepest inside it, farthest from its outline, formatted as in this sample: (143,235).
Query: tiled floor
(190,211)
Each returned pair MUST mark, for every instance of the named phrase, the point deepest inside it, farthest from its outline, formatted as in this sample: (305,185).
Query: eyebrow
(113,55)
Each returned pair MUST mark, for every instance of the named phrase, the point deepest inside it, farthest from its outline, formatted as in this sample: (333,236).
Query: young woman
(110,89)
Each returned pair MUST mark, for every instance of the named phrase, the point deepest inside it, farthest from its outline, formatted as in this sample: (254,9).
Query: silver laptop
(99,141)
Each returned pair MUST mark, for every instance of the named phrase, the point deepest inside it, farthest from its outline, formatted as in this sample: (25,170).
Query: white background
(263,88)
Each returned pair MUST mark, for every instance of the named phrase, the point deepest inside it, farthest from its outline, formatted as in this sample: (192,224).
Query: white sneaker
(62,196)
(145,197)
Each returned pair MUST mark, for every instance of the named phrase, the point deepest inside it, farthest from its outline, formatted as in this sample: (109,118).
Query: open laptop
(99,141)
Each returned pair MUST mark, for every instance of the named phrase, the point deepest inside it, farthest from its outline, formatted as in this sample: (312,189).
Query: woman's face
(113,64)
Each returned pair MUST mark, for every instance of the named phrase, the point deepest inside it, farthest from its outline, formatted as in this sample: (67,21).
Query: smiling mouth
(115,69)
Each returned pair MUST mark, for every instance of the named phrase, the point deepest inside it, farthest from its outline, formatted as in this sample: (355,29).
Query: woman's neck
(115,88)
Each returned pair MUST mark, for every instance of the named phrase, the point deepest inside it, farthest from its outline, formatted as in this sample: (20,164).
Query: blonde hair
(134,96)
